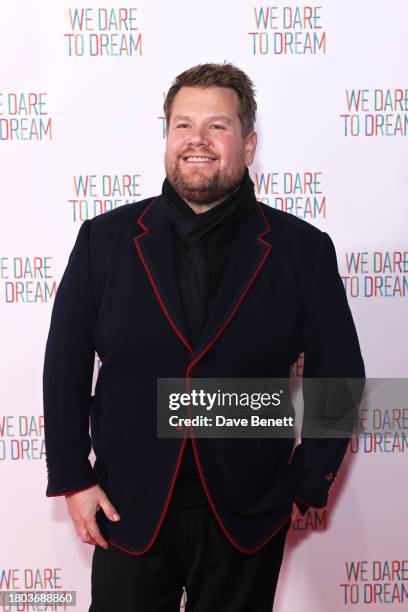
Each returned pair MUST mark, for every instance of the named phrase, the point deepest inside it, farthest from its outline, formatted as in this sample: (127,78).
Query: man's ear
(250,147)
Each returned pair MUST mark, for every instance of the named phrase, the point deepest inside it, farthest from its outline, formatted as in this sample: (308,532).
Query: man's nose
(198,136)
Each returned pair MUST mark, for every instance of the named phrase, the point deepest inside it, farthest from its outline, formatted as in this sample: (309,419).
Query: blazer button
(196,370)
(329,476)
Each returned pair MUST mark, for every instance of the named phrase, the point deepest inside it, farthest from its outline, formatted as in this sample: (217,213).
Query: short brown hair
(218,75)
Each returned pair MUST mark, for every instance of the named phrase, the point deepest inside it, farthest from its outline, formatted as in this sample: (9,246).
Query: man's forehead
(219,101)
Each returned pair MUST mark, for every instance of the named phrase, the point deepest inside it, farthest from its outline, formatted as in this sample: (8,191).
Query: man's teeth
(194,158)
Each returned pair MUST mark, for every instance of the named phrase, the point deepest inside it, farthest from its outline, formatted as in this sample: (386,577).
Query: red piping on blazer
(166,505)
(188,376)
(136,239)
(71,491)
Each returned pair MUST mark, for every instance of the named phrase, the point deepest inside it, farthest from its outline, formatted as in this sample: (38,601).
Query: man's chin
(197,196)
(195,189)
(201,187)
(198,178)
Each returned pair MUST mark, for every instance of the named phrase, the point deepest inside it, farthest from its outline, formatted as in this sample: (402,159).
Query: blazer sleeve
(67,375)
(333,381)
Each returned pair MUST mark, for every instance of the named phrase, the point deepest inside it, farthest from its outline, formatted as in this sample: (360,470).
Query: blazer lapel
(248,254)
(156,251)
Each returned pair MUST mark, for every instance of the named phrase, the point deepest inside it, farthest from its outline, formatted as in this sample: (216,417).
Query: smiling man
(201,281)
(207,151)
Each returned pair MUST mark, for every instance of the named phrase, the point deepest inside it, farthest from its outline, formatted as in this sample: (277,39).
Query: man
(202,281)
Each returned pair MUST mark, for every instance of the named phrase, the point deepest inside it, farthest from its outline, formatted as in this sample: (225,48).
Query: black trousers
(190,551)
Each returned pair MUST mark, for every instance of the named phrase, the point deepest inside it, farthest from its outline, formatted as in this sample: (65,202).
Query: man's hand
(82,507)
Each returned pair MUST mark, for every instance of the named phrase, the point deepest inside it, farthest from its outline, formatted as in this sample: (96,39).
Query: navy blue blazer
(281,295)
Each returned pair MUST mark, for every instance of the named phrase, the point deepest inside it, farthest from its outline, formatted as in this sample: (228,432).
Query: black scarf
(202,246)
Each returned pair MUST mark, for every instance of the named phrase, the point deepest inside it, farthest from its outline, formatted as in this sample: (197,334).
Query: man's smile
(201,159)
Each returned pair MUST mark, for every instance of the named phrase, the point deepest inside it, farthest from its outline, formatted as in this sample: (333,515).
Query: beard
(198,188)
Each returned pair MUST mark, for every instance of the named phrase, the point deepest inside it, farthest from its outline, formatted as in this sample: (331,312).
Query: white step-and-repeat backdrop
(82,131)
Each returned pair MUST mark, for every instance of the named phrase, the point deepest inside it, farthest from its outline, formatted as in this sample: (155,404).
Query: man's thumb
(110,511)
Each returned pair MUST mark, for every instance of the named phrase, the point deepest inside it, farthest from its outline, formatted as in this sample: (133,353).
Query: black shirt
(202,245)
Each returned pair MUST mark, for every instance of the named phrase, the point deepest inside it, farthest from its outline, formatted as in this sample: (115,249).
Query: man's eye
(182,125)
(218,126)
